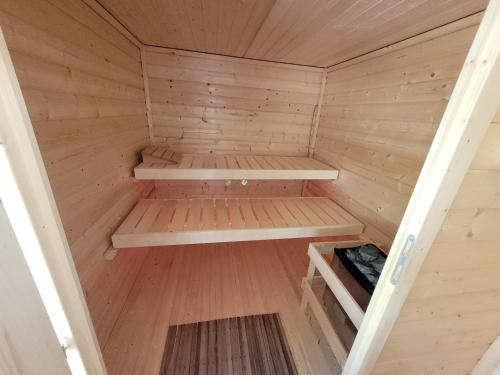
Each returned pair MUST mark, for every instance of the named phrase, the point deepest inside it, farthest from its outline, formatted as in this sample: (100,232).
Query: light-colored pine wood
(82,83)
(28,201)
(317,33)
(261,218)
(378,119)
(149,115)
(110,253)
(99,9)
(159,154)
(454,303)
(328,278)
(225,189)
(490,361)
(472,20)
(186,284)
(317,116)
(348,303)
(206,167)
(447,343)
(214,104)
(309,299)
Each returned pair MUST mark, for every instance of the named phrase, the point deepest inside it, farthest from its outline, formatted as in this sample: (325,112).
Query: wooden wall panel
(209,103)
(221,189)
(82,83)
(318,33)
(378,119)
(452,314)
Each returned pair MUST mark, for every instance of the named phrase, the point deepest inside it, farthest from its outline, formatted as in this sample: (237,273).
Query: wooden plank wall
(223,189)
(378,119)
(452,313)
(82,82)
(210,103)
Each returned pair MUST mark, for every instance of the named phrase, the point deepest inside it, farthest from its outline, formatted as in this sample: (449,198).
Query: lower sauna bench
(158,222)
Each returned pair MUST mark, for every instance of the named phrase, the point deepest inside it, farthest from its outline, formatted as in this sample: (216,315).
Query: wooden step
(157,222)
(235,167)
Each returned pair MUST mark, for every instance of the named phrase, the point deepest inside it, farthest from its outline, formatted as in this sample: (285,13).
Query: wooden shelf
(235,167)
(155,222)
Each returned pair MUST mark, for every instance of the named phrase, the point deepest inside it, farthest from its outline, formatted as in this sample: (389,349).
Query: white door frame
(28,343)
(472,106)
(31,208)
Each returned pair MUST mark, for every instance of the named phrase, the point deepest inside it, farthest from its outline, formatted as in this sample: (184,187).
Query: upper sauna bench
(160,163)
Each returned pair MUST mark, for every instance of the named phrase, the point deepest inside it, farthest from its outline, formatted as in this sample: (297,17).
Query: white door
(28,343)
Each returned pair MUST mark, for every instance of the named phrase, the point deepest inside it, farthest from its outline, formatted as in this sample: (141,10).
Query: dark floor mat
(241,346)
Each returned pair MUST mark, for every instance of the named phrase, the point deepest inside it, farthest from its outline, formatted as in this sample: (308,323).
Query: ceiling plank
(318,33)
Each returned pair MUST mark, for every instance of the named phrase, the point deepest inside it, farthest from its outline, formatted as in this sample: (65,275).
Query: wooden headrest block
(160,154)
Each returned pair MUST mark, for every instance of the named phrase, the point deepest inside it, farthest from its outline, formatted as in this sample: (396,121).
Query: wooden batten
(317,116)
(348,303)
(104,13)
(147,98)
(327,278)
(311,301)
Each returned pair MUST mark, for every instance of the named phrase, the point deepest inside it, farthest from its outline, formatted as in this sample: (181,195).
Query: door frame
(31,208)
(29,343)
(471,108)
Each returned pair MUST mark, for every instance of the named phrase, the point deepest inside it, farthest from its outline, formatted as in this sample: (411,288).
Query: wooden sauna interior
(296,122)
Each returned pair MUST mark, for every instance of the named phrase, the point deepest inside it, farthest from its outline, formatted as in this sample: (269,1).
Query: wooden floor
(229,167)
(246,345)
(191,283)
(157,222)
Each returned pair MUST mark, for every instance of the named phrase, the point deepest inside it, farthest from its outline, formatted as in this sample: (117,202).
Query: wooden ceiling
(308,32)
